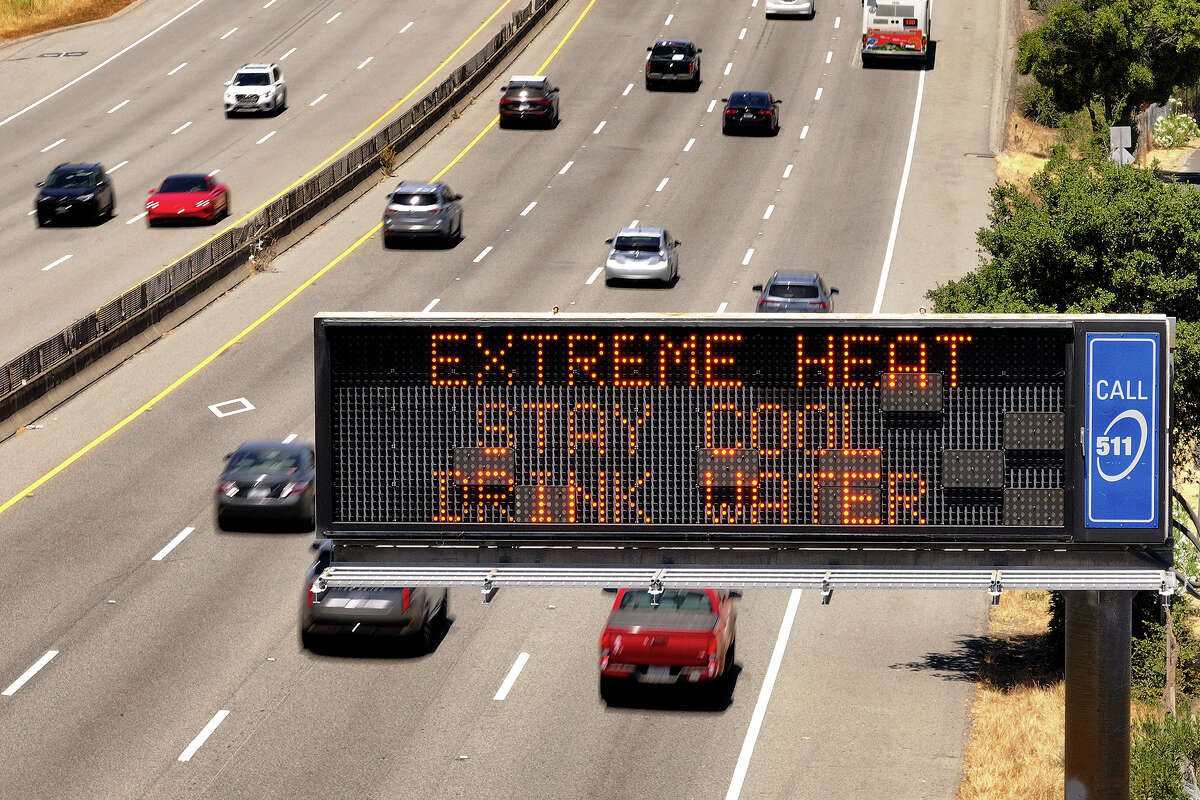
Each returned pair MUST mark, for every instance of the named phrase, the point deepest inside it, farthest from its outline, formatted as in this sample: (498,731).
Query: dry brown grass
(1027,151)
(1172,160)
(22,17)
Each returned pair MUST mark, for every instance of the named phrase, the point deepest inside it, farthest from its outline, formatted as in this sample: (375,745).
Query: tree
(1094,237)
(1112,56)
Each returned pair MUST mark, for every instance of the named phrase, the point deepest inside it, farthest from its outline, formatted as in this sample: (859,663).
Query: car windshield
(669,600)
(184,183)
(265,460)
(895,10)
(636,244)
(76,179)
(415,199)
(252,79)
(666,50)
(794,291)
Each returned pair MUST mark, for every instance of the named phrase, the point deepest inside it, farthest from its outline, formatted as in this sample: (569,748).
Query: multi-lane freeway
(133,627)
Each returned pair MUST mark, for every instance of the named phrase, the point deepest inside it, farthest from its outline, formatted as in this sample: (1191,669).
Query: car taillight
(227,487)
(729,112)
(312,598)
(391,210)
(712,656)
(297,487)
(542,102)
(436,210)
(405,599)
(823,304)
(605,649)
(691,66)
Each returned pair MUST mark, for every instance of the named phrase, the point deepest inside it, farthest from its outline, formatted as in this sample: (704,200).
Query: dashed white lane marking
(837,23)
(229,33)
(30,213)
(749,255)
(269,4)
(331,19)
(721,308)
(688,146)
(764,697)
(268,136)
(829,56)
(135,219)
(804,132)
(319,99)
(728,67)
(56,262)
(214,172)
(600,127)
(482,255)
(181,127)
(891,245)
(406,27)
(628,89)
(368,60)
(203,735)
(820,89)
(288,53)
(511,678)
(529,208)
(595,274)
(117,167)
(181,66)
(29,673)
(118,106)
(171,545)
(669,18)
(711,106)
(291,437)
(432,303)
(566,167)
(742,35)
(787,171)
(770,210)
(634,224)
(754,3)
(662,184)
(53,145)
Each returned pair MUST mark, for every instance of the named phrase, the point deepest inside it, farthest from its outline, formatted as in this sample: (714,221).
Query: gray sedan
(642,254)
(795,291)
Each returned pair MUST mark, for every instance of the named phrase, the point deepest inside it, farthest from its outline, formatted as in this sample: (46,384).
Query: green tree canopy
(1113,55)
(1093,237)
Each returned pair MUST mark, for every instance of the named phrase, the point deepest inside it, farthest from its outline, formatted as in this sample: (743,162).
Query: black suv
(73,192)
(673,60)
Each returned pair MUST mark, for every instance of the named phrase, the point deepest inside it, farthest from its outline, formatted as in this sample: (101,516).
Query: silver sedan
(642,254)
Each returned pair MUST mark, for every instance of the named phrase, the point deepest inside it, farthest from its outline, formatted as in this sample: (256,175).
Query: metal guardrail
(141,306)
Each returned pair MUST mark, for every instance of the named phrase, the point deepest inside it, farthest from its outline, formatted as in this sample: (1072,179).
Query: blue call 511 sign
(1122,430)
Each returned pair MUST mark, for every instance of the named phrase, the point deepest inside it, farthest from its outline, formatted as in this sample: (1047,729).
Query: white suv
(256,88)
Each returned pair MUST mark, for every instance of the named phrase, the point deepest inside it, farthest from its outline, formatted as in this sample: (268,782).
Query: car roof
(796,277)
(643,231)
(416,188)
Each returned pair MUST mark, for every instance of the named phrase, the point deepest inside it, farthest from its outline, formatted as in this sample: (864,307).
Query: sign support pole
(1098,635)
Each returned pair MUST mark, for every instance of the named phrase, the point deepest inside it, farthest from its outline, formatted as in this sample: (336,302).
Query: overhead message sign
(772,427)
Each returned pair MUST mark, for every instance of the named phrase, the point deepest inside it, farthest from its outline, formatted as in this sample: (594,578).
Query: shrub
(1160,750)
(1175,129)
(1036,103)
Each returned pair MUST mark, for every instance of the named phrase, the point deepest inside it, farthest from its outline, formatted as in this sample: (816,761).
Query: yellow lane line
(28,490)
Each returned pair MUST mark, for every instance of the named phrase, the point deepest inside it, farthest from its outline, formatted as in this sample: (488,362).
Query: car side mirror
(776,102)
(609,590)
(316,545)
(756,287)
(151,191)
(458,197)
(648,49)
(608,241)
(676,243)
(735,594)
(724,99)
(504,88)
(699,50)
(228,456)
(833,290)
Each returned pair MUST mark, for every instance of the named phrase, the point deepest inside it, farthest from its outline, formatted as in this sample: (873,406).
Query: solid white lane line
(368,61)
(288,53)
(628,89)
(52,146)
(117,167)
(728,67)
(721,308)
(662,184)
(669,18)
(203,735)
(749,255)
(181,127)
(688,146)
(595,274)
(103,63)
(118,106)
(891,245)
(511,678)
(764,696)
(566,167)
(229,33)
(482,254)
(319,99)
(600,127)
(529,208)
(837,23)
(268,136)
(742,35)
(829,57)
(55,263)
(291,437)
(819,91)
(331,19)
(181,66)
(214,172)
(406,27)
(787,171)
(711,106)
(804,132)
(432,303)
(179,537)
(770,210)
(29,673)
(135,219)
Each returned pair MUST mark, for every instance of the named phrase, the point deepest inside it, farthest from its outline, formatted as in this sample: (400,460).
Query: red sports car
(188,196)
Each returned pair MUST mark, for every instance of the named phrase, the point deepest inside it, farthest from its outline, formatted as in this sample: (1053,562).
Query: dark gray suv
(794,291)
(417,210)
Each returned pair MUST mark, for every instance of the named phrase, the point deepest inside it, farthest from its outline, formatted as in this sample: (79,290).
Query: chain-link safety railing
(31,374)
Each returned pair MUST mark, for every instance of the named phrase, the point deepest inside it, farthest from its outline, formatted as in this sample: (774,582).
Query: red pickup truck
(687,636)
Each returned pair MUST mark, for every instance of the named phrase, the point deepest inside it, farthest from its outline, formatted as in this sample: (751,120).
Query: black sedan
(750,111)
(268,482)
(71,192)
(529,98)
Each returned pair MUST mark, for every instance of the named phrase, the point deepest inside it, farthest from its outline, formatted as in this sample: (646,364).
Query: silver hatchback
(417,210)
(795,291)
(642,254)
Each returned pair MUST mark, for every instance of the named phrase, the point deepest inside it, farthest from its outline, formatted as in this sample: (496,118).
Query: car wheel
(440,616)
(726,130)
(283,102)
(229,115)
(610,689)
(458,232)
(42,222)
(423,641)
(649,85)
(696,82)
(609,282)
(313,642)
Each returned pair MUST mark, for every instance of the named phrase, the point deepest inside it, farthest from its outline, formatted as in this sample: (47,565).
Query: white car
(642,254)
(791,8)
(256,88)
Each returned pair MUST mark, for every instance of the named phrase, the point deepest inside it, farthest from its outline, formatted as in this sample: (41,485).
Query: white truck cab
(256,88)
